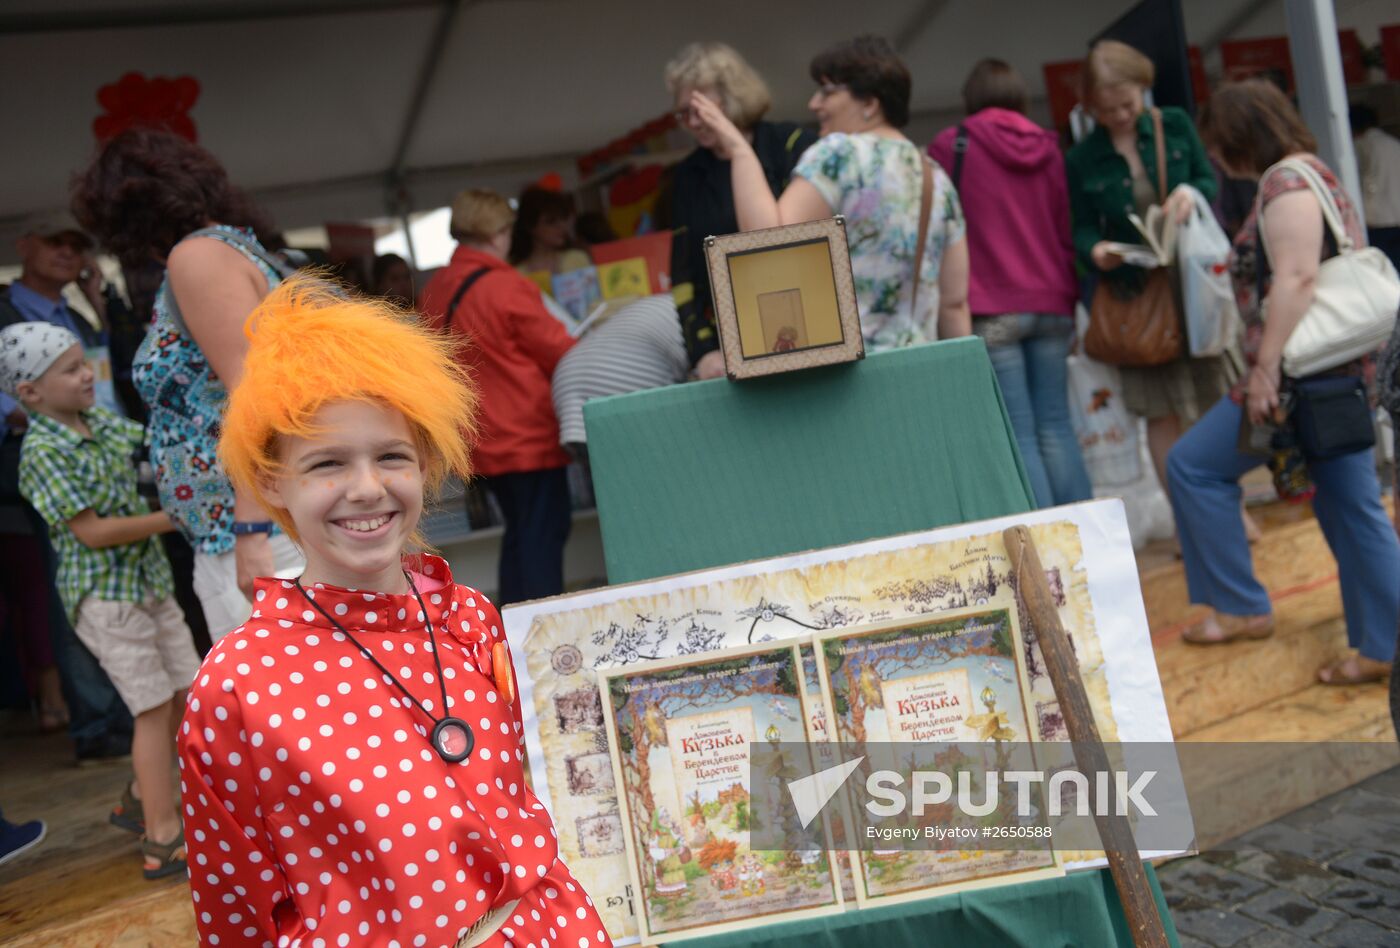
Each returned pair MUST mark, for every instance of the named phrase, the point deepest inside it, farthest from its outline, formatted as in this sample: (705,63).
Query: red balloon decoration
(134,101)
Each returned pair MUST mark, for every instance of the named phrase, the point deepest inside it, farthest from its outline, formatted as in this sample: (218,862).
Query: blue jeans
(1203,474)
(1028,352)
(538,516)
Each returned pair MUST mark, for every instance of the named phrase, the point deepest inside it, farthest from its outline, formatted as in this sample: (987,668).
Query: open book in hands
(1159,234)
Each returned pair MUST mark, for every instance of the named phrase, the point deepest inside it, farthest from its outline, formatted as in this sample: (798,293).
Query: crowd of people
(275,496)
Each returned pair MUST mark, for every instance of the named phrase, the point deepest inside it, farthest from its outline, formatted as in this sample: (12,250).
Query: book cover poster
(577,291)
(623,278)
(683,734)
(653,249)
(954,679)
(1087,554)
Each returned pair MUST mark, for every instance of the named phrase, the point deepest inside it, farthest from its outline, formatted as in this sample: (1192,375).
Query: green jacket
(1101,187)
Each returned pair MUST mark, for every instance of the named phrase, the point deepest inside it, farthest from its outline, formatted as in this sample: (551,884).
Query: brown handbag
(1145,329)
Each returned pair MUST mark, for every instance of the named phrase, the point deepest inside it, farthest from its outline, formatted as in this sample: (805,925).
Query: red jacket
(513,344)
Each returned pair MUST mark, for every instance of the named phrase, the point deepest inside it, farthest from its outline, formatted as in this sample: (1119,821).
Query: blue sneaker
(18,838)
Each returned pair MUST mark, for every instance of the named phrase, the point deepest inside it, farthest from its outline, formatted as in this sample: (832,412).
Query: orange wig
(309,346)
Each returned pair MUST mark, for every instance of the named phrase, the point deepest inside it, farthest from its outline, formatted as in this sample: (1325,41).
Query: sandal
(163,859)
(1355,670)
(1232,628)
(129,814)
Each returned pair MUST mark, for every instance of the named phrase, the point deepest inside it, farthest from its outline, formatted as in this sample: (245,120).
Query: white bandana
(28,349)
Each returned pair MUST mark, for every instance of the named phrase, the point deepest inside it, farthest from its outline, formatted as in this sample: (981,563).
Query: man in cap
(55,252)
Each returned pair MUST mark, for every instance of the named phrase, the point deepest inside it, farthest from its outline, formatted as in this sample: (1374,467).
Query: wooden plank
(1129,877)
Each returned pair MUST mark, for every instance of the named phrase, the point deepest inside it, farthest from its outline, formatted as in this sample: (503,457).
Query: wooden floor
(83,886)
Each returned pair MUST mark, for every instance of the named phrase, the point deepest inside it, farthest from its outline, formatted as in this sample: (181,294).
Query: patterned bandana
(28,349)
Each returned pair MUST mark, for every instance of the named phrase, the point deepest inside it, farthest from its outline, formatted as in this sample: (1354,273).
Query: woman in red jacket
(512,347)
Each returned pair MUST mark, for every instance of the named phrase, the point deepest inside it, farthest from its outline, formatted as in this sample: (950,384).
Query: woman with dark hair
(152,195)
(702,198)
(1251,126)
(393,279)
(1010,177)
(543,236)
(864,168)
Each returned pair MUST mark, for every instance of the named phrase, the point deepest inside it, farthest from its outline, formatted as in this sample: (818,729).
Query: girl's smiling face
(354,492)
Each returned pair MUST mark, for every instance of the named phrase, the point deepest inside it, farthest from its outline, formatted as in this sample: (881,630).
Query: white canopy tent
(346,109)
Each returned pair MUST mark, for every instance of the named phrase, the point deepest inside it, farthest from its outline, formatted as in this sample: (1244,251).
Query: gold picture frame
(784,298)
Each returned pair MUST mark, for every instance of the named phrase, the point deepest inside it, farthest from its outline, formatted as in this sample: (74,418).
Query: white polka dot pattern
(316,812)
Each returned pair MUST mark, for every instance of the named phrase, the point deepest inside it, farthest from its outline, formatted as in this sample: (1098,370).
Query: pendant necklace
(452,737)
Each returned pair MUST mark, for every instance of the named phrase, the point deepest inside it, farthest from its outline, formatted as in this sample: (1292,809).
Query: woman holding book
(1113,173)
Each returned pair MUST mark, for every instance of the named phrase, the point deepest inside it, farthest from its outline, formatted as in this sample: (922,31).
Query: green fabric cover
(1077,911)
(712,473)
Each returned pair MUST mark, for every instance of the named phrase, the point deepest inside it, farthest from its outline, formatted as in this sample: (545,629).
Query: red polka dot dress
(318,814)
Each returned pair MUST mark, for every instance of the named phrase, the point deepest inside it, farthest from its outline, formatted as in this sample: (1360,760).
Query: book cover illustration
(955,679)
(683,735)
(577,291)
(623,278)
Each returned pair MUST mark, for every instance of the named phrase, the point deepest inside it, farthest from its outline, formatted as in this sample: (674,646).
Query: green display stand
(712,473)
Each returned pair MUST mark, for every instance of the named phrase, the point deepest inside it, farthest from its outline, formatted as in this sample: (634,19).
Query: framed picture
(955,680)
(784,298)
(683,734)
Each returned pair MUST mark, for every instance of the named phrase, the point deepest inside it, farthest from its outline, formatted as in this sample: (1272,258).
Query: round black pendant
(453,739)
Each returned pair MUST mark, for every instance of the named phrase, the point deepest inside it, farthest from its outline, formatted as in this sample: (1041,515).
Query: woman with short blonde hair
(702,201)
(718,67)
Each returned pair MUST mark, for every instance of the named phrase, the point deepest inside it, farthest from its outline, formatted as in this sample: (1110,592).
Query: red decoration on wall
(1390,49)
(1062,90)
(134,101)
(1353,57)
(1267,57)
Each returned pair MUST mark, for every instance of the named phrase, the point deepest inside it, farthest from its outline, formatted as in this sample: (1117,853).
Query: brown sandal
(1232,628)
(163,859)
(1336,674)
(129,814)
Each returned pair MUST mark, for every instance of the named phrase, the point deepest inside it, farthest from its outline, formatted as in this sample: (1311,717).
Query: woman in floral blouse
(151,195)
(864,168)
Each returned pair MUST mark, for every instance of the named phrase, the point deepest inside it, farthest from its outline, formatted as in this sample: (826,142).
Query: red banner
(1062,90)
(1390,48)
(1267,57)
(1200,86)
(1353,57)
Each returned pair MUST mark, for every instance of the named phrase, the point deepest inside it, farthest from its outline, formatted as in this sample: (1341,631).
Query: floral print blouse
(186,401)
(877,183)
(1245,258)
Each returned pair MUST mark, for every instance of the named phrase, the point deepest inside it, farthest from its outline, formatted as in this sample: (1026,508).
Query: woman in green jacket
(1113,172)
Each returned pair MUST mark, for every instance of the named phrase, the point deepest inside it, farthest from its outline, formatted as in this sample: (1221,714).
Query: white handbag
(1355,300)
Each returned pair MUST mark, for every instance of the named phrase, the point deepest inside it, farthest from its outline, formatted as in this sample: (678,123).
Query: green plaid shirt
(62,474)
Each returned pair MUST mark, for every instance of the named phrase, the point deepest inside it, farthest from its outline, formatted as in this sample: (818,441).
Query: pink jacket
(1016,202)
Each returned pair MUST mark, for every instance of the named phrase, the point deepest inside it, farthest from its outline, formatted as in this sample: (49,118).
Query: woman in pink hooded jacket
(1010,176)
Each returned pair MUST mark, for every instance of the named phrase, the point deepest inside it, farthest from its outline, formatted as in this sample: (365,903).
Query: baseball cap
(51,224)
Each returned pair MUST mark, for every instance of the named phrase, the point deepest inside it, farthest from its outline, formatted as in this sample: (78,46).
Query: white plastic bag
(1207,297)
(1107,431)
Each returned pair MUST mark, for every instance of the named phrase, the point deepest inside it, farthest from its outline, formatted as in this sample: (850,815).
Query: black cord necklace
(452,737)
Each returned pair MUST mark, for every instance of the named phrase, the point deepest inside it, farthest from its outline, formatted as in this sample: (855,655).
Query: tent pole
(1322,90)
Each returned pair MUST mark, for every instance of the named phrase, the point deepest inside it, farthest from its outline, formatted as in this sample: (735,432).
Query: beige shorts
(144,647)
(216,584)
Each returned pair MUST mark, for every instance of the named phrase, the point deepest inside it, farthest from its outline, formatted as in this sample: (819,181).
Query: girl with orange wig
(351,756)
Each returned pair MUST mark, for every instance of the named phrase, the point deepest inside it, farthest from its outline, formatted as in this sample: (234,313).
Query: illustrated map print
(566,645)
(685,739)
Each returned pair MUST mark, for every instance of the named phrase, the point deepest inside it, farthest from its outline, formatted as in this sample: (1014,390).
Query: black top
(702,205)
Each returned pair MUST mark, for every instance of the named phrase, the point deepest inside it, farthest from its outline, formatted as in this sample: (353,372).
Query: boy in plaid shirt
(76,469)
